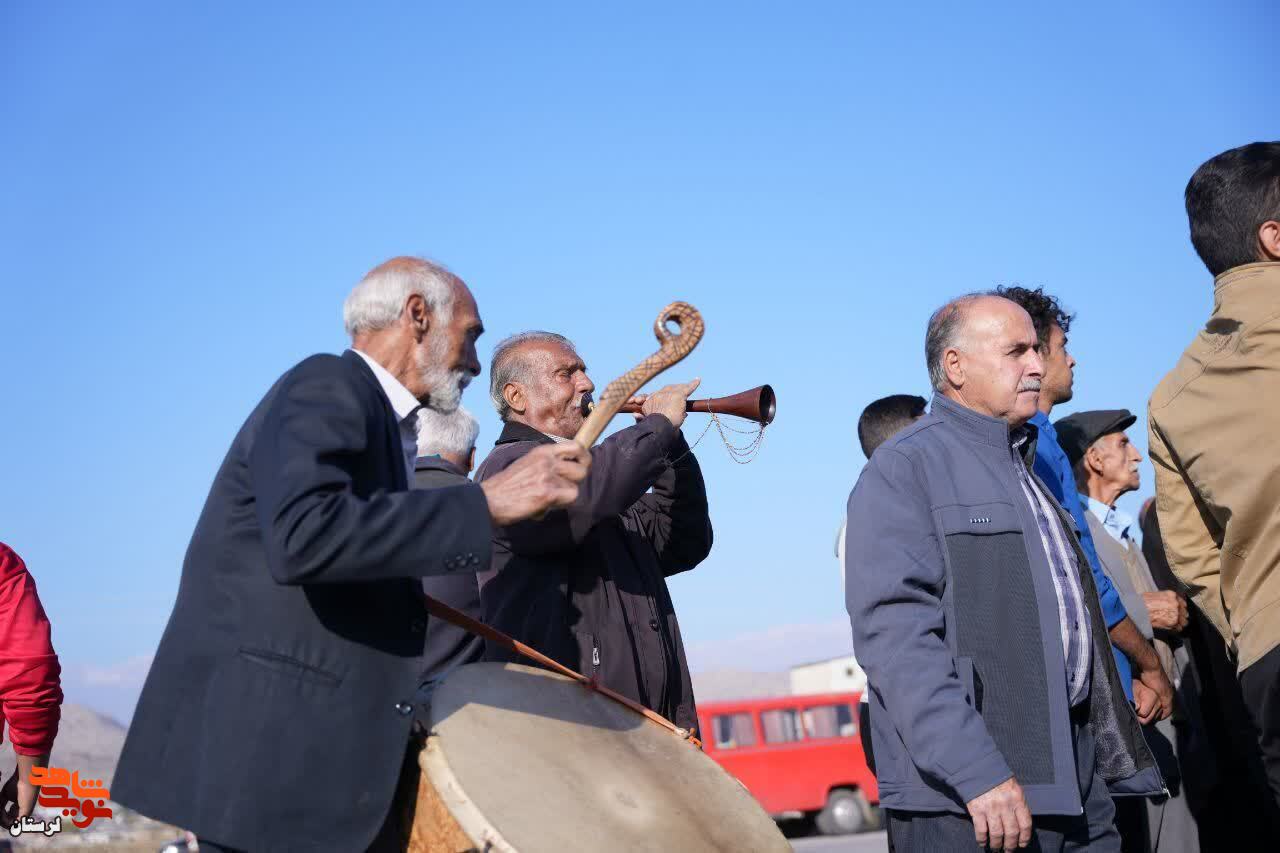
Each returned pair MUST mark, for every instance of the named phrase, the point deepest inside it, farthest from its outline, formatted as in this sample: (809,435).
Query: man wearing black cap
(1105,464)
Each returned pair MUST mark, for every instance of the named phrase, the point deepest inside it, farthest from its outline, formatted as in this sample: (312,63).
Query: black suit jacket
(277,709)
(448,645)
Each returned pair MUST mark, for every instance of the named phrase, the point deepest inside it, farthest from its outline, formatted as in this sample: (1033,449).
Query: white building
(835,675)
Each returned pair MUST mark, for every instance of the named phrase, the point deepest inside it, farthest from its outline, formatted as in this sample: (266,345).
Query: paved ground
(865,842)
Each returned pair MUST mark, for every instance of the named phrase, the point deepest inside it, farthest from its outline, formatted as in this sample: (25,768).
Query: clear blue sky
(190,191)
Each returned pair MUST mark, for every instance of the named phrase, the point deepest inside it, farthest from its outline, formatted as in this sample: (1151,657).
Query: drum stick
(443,611)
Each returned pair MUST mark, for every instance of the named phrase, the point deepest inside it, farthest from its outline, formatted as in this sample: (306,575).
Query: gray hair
(508,367)
(378,300)
(454,433)
(944,332)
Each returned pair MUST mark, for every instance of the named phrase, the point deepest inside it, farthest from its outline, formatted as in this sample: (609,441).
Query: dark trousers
(1094,831)
(1132,824)
(1260,684)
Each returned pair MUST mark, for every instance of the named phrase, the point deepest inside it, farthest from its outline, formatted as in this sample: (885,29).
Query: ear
(1093,460)
(953,368)
(513,393)
(1269,240)
(415,308)
(471,459)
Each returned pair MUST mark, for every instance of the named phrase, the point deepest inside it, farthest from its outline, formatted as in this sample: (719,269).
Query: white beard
(444,386)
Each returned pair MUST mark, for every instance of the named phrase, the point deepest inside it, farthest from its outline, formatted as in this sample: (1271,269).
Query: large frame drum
(523,759)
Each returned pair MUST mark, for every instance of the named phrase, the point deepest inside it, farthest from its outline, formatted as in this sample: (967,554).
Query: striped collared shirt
(1066,577)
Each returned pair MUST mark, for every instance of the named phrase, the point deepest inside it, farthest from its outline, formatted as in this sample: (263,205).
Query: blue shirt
(1052,467)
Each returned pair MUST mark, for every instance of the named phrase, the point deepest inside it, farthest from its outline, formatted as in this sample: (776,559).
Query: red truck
(800,756)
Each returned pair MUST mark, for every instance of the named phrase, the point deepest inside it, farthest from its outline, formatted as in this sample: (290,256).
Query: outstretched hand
(670,401)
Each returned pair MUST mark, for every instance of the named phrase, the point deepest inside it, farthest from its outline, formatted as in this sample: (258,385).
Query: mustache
(1029,385)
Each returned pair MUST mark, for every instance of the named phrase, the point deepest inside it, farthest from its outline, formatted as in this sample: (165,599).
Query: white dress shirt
(405,405)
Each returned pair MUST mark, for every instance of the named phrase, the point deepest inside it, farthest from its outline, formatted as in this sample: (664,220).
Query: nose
(585,384)
(1035,364)
(472,364)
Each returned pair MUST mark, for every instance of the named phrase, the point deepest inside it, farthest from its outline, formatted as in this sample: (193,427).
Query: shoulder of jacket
(1189,367)
(1207,351)
(911,440)
(501,456)
(1091,520)
(1102,541)
(437,478)
(904,451)
(329,367)
(322,362)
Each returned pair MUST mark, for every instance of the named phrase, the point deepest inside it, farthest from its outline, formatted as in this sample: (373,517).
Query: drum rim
(462,808)
(468,815)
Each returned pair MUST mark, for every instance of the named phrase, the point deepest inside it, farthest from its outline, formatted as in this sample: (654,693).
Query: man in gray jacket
(997,711)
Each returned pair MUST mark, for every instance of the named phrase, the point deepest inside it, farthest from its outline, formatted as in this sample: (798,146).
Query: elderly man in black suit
(277,711)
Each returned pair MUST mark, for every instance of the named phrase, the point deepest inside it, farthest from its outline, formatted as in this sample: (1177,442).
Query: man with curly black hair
(1145,683)
(1151,690)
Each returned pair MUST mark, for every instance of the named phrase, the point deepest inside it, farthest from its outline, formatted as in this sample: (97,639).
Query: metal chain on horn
(743,455)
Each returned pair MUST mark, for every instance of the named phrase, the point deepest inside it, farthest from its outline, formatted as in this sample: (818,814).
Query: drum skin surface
(527,760)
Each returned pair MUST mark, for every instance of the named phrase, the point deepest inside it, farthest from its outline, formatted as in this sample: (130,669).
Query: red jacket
(30,689)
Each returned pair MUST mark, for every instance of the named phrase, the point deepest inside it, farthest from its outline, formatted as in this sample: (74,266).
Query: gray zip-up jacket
(956,622)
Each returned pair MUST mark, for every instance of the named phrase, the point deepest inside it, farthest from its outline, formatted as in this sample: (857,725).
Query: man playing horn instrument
(586,585)
(277,712)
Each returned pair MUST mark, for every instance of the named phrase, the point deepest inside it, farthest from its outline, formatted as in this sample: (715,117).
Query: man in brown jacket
(1214,423)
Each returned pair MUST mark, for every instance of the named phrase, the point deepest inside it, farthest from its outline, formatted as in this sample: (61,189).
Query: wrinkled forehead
(1113,439)
(996,322)
(552,355)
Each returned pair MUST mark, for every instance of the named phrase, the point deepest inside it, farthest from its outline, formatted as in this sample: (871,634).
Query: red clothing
(30,689)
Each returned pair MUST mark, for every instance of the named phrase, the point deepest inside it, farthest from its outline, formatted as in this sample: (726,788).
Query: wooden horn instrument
(759,405)
(675,343)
